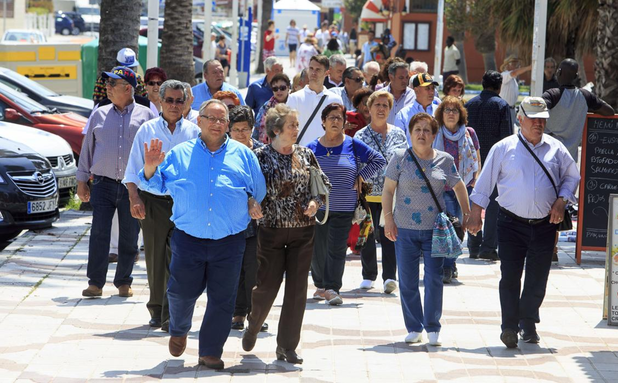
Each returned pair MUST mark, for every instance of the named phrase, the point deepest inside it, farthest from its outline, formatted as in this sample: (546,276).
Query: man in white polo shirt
(307,101)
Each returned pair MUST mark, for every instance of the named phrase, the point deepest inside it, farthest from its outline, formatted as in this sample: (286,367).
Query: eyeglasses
(172,101)
(280,88)
(451,110)
(111,82)
(153,83)
(241,131)
(214,120)
(357,79)
(334,118)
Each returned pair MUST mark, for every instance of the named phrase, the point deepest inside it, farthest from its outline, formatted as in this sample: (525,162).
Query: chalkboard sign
(599,179)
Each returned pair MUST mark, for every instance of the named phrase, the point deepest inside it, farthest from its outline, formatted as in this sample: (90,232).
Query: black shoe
(165,326)
(238,325)
(455,272)
(529,336)
(509,338)
(489,255)
(474,254)
(264,327)
(289,356)
(448,276)
(154,322)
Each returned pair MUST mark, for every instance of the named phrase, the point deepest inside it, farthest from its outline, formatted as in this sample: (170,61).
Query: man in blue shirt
(155,209)
(425,102)
(366,55)
(490,116)
(259,91)
(531,207)
(214,81)
(216,184)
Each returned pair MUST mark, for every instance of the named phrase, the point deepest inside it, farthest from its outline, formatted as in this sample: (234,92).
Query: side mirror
(11,115)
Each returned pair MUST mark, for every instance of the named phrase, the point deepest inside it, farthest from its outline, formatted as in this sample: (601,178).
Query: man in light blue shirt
(425,102)
(214,81)
(530,210)
(366,55)
(171,129)
(216,184)
(403,96)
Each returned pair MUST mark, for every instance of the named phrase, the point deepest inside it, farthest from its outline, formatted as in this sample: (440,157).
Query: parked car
(54,148)
(91,13)
(28,191)
(64,25)
(18,108)
(197,40)
(21,36)
(44,95)
(79,25)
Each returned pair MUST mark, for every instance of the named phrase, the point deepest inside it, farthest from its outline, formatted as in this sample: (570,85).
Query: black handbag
(567,223)
(454,220)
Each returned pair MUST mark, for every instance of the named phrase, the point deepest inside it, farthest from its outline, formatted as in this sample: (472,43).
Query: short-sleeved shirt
(269,45)
(452,148)
(415,208)
(293,33)
(510,88)
(451,55)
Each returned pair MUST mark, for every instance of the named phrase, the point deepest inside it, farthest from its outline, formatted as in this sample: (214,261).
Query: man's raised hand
(153,155)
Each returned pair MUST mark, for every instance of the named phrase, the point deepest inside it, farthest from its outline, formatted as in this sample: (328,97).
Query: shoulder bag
(302,133)
(566,224)
(318,187)
(447,232)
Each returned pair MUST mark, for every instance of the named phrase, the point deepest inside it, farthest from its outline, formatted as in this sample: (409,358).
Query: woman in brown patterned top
(285,237)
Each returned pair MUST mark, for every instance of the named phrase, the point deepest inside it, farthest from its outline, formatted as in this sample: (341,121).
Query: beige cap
(534,107)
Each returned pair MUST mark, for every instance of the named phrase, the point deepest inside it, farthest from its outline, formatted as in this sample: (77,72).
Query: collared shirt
(192,116)
(258,93)
(107,144)
(490,116)
(451,55)
(305,101)
(510,88)
(523,187)
(402,119)
(209,188)
(329,84)
(201,93)
(341,92)
(366,48)
(157,128)
(405,99)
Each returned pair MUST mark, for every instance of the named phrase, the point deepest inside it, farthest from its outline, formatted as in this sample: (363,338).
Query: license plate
(42,206)
(67,182)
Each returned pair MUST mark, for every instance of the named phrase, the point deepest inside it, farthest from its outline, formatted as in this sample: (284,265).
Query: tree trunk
(606,64)
(177,45)
(485,43)
(583,79)
(119,28)
(266,14)
(463,69)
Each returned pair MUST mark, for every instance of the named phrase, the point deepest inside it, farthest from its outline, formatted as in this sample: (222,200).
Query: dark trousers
(199,264)
(487,239)
(248,275)
(106,197)
(282,251)
(446,74)
(530,245)
(329,250)
(157,229)
(368,253)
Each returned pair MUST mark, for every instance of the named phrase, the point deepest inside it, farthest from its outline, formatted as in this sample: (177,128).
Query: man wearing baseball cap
(104,157)
(425,102)
(530,211)
(126,58)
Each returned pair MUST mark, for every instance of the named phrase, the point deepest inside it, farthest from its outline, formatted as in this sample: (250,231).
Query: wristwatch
(563,199)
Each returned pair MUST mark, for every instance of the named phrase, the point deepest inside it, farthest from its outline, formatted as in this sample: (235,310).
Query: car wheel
(76,31)
(8,236)
(65,31)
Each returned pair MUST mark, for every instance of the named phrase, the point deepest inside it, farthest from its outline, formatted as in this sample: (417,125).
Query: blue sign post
(243,64)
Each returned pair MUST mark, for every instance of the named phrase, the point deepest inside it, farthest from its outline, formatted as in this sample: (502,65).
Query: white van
(54,148)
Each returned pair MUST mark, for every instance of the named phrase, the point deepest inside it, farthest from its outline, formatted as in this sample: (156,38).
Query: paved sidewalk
(49,333)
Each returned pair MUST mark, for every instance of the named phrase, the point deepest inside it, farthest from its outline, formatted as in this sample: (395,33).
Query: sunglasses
(280,88)
(357,79)
(172,101)
(153,83)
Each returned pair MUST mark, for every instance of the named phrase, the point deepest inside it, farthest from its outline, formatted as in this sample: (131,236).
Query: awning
(371,12)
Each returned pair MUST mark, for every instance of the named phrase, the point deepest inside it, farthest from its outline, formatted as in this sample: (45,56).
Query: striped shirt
(340,164)
(293,35)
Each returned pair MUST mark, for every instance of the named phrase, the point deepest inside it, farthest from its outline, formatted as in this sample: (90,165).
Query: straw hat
(507,61)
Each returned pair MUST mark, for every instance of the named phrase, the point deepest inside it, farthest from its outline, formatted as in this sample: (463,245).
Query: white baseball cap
(126,57)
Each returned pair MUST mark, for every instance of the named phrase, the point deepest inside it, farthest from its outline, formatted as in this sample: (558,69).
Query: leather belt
(524,220)
(112,180)
(155,196)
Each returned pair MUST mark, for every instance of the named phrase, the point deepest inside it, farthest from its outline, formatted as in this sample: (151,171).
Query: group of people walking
(229,199)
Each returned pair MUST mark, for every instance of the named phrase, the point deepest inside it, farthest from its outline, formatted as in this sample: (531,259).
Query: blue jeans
(106,196)
(199,264)
(409,246)
(453,208)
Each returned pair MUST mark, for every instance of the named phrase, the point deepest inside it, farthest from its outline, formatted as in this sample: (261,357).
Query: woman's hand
(390,229)
(255,210)
(312,208)
(358,184)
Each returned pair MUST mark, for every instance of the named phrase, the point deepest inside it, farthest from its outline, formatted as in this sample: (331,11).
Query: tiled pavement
(49,333)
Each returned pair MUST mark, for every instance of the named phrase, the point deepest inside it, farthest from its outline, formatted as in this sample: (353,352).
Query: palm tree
(455,12)
(119,28)
(606,65)
(266,12)
(177,43)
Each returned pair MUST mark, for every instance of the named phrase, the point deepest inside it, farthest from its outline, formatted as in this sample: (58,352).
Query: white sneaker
(414,337)
(366,284)
(434,339)
(389,286)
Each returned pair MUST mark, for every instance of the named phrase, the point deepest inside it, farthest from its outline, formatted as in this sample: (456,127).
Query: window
(416,36)
(10,8)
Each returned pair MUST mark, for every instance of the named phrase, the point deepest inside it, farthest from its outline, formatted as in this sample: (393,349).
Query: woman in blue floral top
(384,138)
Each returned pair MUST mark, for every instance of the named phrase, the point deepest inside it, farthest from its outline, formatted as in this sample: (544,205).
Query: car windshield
(25,82)
(27,37)
(88,11)
(22,101)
